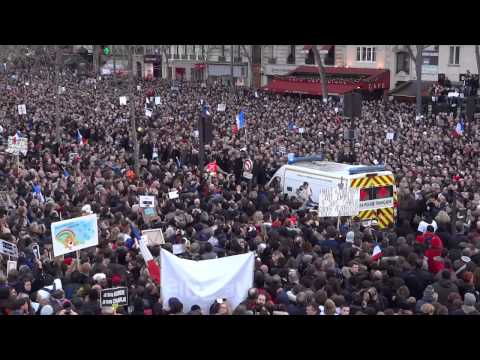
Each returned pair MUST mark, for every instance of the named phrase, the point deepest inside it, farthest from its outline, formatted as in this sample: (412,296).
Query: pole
(57,97)
(454,212)
(132,112)
(231,67)
(114,63)
(201,138)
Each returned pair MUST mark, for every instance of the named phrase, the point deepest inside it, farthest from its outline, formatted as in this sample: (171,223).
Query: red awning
(200,66)
(309,88)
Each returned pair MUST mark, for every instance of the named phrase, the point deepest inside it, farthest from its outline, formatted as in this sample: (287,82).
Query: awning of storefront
(306,80)
(306,87)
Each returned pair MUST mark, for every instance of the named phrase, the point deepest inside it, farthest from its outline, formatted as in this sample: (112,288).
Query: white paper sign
(148,113)
(147,201)
(22,109)
(8,248)
(178,249)
(17,145)
(335,202)
(221,107)
(123,100)
(11,265)
(173,194)
(138,87)
(157,100)
(196,133)
(147,100)
(336,109)
(390,136)
(301,130)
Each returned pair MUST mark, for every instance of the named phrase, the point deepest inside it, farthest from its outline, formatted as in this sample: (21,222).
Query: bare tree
(250,64)
(418,60)
(321,72)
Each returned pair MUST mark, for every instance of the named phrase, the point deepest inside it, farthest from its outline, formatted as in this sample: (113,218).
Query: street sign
(247,165)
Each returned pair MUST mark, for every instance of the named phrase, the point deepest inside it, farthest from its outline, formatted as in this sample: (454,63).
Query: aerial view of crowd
(304,265)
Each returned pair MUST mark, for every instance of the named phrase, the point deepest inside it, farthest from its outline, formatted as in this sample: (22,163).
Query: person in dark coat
(444,287)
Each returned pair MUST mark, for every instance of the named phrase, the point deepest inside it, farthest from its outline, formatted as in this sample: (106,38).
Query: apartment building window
(366,54)
(202,47)
(291,56)
(193,49)
(177,50)
(403,62)
(223,50)
(454,58)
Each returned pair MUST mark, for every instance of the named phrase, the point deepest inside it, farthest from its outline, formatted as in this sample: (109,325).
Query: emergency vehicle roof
(338,169)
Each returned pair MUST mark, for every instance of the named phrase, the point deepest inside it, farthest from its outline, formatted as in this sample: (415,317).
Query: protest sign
(123,100)
(8,248)
(149,214)
(221,107)
(148,113)
(157,100)
(178,249)
(36,251)
(173,194)
(301,130)
(334,202)
(390,136)
(153,237)
(22,109)
(147,201)
(114,296)
(74,234)
(5,200)
(11,265)
(17,145)
(202,282)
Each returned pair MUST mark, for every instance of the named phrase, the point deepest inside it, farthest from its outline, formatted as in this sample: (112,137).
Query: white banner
(338,202)
(221,107)
(157,100)
(376,204)
(202,282)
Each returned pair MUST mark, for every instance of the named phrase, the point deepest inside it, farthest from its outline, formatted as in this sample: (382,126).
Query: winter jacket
(443,288)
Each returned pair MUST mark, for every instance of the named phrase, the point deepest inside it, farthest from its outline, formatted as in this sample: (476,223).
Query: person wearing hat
(468,307)
(429,297)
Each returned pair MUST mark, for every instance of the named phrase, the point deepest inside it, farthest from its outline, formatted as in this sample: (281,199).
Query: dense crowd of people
(304,265)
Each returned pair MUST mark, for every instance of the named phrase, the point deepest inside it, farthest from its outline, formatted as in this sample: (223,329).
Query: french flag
(16,137)
(152,266)
(240,120)
(80,139)
(377,253)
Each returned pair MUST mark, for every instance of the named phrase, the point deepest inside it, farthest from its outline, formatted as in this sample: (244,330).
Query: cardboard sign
(147,201)
(5,200)
(74,234)
(149,214)
(221,107)
(333,202)
(17,145)
(153,237)
(8,248)
(22,109)
(123,100)
(114,296)
(173,194)
(157,100)
(11,265)
(36,251)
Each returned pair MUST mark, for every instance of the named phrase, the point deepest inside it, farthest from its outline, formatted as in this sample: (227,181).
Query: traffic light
(106,50)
